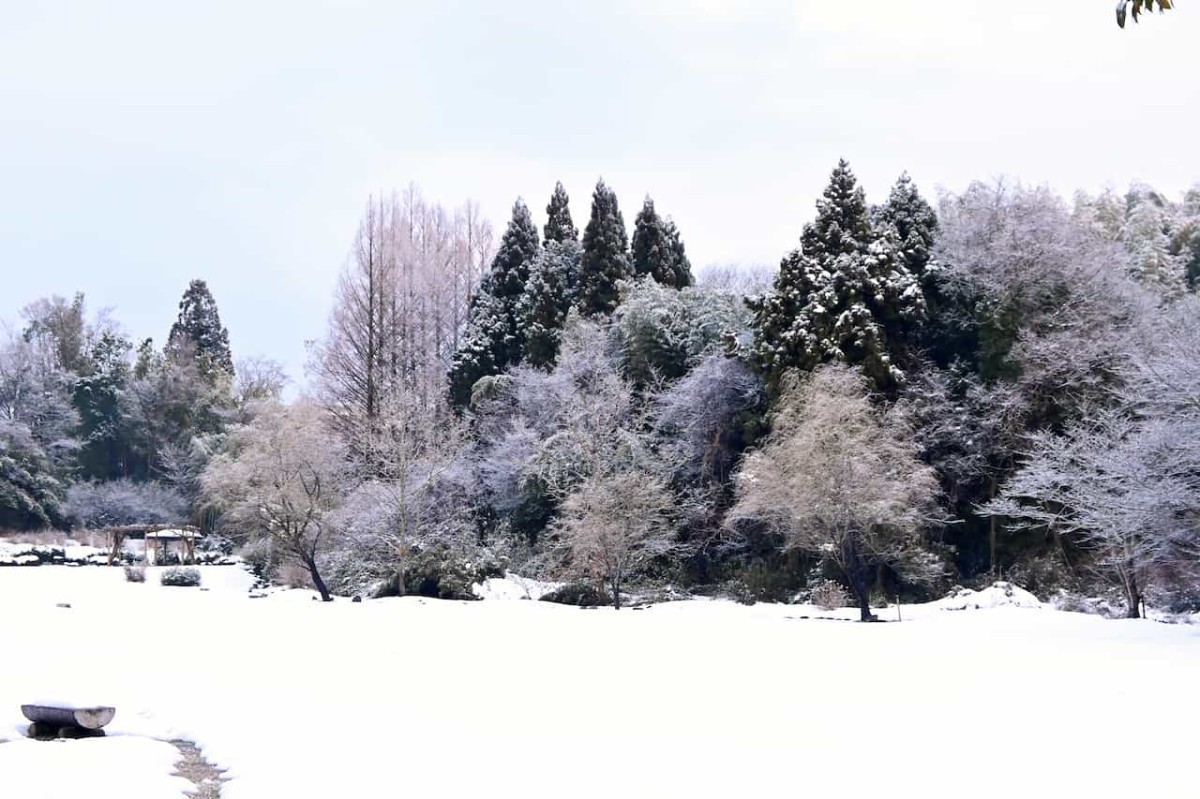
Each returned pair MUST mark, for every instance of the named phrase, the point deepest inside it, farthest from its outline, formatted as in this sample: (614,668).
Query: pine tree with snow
(837,297)
(548,298)
(198,332)
(605,260)
(493,339)
(482,343)
(915,222)
(658,249)
(559,225)
(680,264)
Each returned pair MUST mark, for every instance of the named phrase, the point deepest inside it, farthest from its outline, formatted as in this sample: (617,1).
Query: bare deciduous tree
(840,478)
(400,306)
(282,476)
(614,525)
(405,502)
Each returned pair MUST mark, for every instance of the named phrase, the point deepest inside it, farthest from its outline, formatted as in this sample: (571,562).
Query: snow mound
(996,595)
(513,587)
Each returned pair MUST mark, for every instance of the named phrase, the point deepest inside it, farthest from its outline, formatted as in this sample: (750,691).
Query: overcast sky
(143,144)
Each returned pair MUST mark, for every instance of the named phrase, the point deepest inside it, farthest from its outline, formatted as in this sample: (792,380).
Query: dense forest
(1006,385)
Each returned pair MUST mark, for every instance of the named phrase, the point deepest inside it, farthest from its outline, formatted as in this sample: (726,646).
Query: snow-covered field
(412,697)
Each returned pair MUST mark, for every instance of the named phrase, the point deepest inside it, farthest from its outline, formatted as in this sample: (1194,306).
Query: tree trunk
(992,535)
(313,572)
(616,592)
(855,570)
(1133,598)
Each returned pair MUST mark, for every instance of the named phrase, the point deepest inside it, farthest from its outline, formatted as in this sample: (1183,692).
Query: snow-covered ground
(412,697)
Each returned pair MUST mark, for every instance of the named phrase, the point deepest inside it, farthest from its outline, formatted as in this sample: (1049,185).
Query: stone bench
(65,721)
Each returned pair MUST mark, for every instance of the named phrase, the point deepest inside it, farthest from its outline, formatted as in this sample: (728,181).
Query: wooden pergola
(152,534)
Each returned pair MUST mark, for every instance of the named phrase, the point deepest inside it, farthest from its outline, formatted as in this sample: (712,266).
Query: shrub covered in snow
(135,573)
(180,576)
(445,572)
(581,594)
(829,595)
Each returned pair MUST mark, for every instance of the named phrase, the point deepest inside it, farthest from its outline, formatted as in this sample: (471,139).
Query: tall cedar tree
(493,339)
(605,255)
(839,295)
(198,331)
(548,298)
(916,227)
(559,225)
(658,249)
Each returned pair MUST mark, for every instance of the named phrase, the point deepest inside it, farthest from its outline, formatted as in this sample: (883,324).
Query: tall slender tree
(605,255)
(658,249)
(548,298)
(493,339)
(559,226)
(198,332)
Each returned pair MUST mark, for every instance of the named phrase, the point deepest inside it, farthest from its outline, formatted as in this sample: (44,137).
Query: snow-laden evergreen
(658,250)
(836,297)
(493,338)
(549,295)
(605,255)
(559,225)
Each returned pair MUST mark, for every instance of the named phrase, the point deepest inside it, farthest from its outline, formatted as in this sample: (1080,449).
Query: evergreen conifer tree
(548,298)
(559,225)
(198,332)
(658,249)
(837,297)
(493,339)
(915,222)
(605,259)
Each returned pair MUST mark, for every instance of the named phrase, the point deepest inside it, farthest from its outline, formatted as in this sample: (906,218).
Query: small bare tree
(614,525)
(840,478)
(408,464)
(280,479)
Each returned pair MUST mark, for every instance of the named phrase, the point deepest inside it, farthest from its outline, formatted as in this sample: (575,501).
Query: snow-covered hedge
(180,576)
(12,554)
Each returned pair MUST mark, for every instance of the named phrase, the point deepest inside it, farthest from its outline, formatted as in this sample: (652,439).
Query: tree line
(1005,385)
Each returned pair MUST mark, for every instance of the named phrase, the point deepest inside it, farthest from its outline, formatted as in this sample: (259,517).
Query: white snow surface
(997,595)
(513,586)
(693,699)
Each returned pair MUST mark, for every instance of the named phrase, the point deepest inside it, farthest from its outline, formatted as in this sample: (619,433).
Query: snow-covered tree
(614,525)
(703,415)
(1127,489)
(1147,239)
(1045,298)
(407,499)
(842,296)
(658,250)
(401,305)
(199,334)
(549,296)
(280,479)
(662,332)
(100,504)
(559,226)
(841,478)
(493,339)
(915,222)
(605,260)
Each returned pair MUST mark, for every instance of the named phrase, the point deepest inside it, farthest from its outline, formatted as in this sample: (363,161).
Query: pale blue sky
(143,144)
